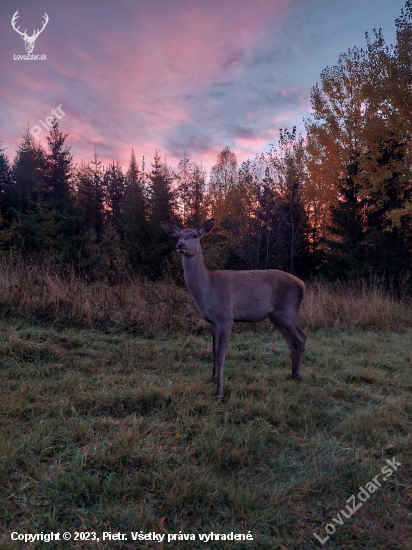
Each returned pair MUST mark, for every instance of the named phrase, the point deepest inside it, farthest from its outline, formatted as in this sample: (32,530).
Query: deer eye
(195,236)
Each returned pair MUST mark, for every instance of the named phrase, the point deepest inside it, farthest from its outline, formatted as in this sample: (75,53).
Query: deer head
(189,239)
(28,40)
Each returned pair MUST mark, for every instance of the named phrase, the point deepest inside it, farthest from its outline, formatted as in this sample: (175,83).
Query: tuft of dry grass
(57,294)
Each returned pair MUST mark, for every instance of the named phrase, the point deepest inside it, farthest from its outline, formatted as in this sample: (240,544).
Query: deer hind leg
(301,338)
(223,330)
(295,339)
(215,333)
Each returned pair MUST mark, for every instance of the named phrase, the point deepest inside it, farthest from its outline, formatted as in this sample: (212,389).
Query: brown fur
(225,297)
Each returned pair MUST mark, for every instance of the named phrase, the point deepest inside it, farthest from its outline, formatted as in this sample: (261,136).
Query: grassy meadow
(109,421)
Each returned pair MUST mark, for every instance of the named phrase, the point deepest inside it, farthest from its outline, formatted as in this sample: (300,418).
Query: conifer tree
(6,189)
(134,215)
(59,216)
(198,208)
(29,166)
(7,202)
(106,256)
(90,193)
(162,200)
(161,207)
(271,250)
(114,188)
(59,169)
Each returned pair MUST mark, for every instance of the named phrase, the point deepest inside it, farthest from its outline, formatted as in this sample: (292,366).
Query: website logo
(29,41)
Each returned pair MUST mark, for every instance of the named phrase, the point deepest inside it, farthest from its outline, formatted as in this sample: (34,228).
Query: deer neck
(196,277)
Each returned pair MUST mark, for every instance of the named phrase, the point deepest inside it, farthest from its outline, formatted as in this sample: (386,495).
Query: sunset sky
(192,75)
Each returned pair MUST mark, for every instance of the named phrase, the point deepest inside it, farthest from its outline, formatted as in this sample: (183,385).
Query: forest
(335,200)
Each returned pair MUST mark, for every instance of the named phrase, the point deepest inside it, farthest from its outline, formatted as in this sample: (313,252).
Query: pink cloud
(135,78)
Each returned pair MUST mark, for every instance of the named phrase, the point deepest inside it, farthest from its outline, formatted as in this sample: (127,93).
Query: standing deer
(224,297)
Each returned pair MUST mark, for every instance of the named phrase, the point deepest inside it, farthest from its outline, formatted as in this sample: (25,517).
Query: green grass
(115,432)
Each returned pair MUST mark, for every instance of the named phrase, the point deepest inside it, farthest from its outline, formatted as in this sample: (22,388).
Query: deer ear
(206,227)
(170,229)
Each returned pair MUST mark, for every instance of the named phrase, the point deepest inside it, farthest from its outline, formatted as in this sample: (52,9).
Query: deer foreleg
(215,333)
(223,341)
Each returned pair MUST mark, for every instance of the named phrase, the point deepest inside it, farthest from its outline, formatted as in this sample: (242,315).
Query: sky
(176,75)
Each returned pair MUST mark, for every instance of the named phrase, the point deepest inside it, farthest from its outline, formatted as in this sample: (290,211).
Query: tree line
(337,201)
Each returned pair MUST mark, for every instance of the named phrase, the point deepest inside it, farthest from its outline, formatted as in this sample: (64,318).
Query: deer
(224,296)
(28,40)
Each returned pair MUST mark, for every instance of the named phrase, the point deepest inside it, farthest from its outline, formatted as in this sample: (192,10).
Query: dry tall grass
(49,292)
(54,293)
(363,304)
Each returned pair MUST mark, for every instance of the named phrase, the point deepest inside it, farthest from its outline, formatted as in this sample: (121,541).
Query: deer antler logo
(28,40)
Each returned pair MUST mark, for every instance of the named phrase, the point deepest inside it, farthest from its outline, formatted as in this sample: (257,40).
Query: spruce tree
(90,194)
(346,252)
(29,167)
(134,216)
(59,169)
(7,189)
(162,207)
(114,189)
(162,201)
